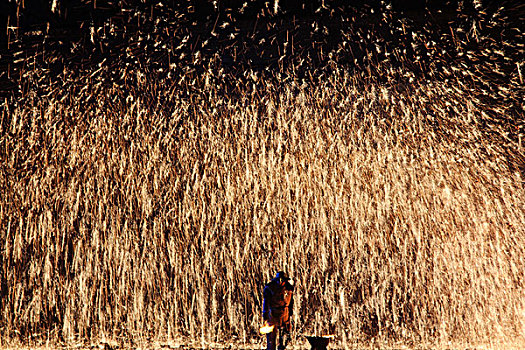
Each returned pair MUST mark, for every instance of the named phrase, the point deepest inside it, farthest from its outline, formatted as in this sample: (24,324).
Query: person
(278,309)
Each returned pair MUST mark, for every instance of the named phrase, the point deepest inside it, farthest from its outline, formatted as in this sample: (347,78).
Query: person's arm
(290,307)
(266,296)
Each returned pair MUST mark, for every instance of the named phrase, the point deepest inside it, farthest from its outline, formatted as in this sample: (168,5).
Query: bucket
(319,343)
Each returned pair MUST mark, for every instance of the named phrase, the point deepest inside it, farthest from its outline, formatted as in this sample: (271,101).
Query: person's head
(283,278)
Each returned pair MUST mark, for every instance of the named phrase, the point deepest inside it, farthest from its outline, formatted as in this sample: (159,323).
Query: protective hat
(282,276)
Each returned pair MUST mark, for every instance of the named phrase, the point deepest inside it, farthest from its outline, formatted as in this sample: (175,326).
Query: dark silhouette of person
(278,308)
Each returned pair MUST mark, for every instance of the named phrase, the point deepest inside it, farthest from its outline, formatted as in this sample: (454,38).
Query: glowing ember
(266,328)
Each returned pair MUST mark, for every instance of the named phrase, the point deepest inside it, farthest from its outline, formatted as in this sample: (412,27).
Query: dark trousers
(271,339)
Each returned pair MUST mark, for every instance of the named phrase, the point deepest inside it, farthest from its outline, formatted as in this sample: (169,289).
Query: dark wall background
(37,27)
(28,13)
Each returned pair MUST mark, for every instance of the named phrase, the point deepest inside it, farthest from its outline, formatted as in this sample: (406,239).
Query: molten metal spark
(266,328)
